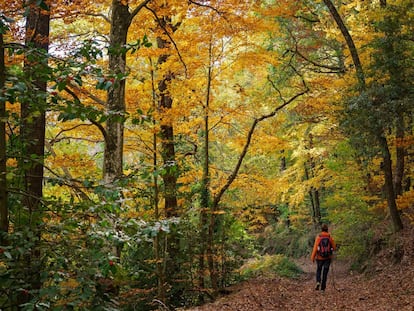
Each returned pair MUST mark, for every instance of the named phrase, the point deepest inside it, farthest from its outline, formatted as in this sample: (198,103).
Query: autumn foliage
(181,138)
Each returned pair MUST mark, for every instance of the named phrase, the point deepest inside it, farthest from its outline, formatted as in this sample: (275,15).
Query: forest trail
(390,288)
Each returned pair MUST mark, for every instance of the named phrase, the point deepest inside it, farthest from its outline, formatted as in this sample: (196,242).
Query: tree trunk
(114,143)
(170,167)
(392,206)
(210,247)
(205,247)
(315,202)
(158,249)
(313,192)
(167,142)
(349,41)
(400,161)
(317,205)
(4,211)
(396,75)
(33,114)
(114,139)
(389,188)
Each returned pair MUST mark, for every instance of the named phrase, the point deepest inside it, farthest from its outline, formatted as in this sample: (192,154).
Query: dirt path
(391,289)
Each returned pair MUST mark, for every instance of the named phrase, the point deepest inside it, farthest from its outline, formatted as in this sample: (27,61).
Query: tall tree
(4,212)
(394,63)
(114,139)
(166,27)
(349,41)
(170,171)
(33,114)
(379,132)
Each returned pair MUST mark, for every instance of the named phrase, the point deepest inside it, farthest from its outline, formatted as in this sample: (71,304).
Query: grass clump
(270,266)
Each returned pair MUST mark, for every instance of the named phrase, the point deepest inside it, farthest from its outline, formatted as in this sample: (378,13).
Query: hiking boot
(318,285)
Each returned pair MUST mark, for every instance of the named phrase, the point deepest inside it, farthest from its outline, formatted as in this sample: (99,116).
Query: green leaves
(105,83)
(89,51)
(134,47)
(130,47)
(73,110)
(42,4)
(4,21)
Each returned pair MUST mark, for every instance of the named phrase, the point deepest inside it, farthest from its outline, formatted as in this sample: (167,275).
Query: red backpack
(325,248)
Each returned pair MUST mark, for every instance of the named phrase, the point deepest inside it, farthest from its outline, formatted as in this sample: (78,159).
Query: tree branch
(97,124)
(206,6)
(139,8)
(333,68)
(349,41)
(256,121)
(169,36)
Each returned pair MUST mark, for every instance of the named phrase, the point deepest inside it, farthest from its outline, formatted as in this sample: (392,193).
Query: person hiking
(323,252)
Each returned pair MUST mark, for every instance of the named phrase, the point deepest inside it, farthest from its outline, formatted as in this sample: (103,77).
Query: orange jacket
(315,254)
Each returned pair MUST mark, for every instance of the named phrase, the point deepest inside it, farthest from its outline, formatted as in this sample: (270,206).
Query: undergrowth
(270,265)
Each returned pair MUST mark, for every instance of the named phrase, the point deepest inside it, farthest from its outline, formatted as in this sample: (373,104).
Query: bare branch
(88,94)
(206,6)
(139,8)
(57,139)
(97,124)
(256,121)
(333,69)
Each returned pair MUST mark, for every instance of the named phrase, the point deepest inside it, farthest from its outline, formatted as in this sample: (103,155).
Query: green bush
(270,266)
(278,239)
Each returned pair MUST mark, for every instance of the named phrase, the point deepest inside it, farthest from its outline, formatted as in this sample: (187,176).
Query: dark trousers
(322,272)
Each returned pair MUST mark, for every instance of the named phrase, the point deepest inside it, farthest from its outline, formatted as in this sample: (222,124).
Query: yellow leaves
(69,284)
(191,177)
(134,214)
(283,8)
(11,162)
(258,61)
(3,266)
(405,142)
(406,200)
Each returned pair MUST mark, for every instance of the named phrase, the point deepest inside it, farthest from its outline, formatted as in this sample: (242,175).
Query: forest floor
(387,286)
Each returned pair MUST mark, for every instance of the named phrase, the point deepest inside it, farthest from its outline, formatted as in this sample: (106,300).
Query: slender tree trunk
(157,243)
(349,41)
(314,201)
(33,114)
(4,211)
(400,153)
(389,187)
(317,204)
(210,247)
(313,192)
(167,130)
(392,206)
(205,239)
(170,167)
(396,75)
(168,153)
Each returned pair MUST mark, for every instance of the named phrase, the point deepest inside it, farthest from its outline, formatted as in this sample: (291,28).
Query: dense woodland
(155,152)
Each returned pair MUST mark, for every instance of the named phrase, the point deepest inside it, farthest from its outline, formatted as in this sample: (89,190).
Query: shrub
(270,266)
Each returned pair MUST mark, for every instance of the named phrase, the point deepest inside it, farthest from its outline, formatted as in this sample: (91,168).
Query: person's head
(324,227)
